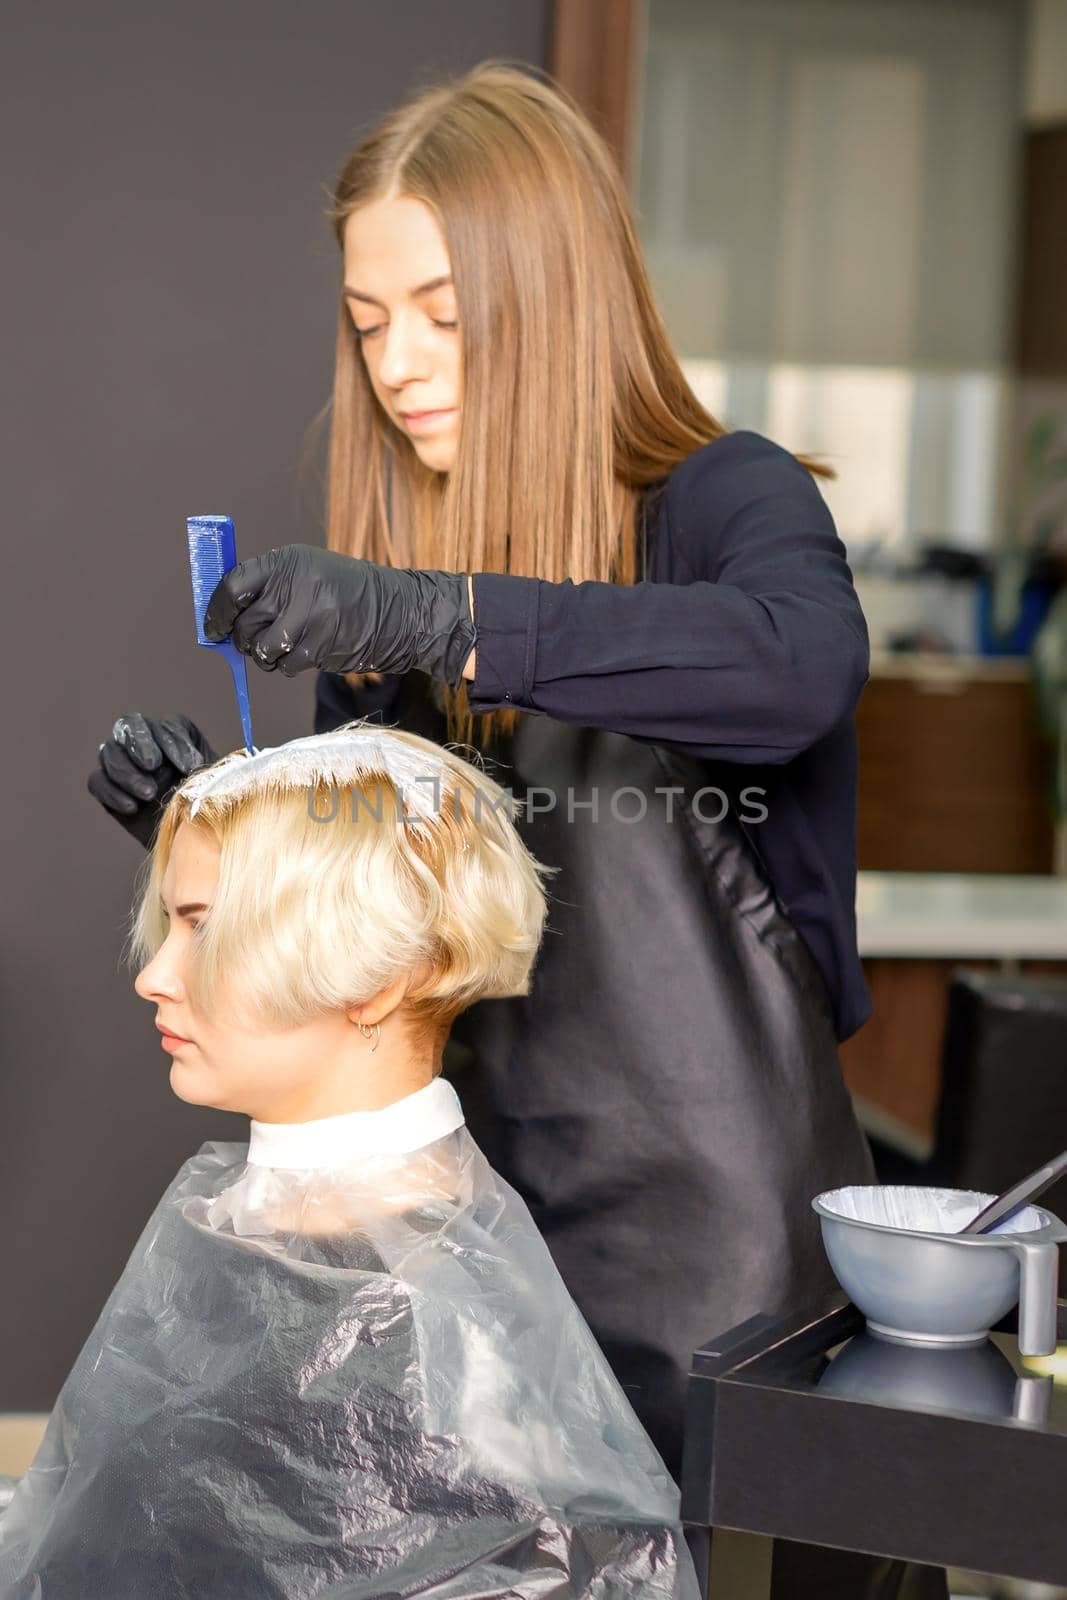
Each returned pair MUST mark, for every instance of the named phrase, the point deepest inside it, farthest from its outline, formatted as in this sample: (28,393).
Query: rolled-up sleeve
(758,651)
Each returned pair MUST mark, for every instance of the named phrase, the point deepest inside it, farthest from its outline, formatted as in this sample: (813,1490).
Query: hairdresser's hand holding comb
(298,607)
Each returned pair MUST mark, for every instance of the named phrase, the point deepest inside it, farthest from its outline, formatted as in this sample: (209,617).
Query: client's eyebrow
(184,911)
(424,288)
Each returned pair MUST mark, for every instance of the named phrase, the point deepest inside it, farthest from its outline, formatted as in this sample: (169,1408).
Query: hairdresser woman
(540,542)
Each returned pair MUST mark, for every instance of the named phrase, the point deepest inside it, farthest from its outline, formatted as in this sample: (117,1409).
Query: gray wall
(170,299)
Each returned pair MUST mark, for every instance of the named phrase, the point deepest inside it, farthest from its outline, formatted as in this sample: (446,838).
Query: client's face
(290,1076)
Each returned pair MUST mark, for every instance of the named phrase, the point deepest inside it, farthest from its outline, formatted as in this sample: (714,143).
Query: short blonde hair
(311,916)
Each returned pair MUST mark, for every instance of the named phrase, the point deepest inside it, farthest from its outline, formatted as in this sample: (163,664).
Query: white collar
(408,1124)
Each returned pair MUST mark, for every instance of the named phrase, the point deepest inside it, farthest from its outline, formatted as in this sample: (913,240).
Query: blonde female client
(340,1360)
(541,543)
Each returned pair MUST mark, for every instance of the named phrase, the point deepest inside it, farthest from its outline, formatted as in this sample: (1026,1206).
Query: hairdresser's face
(409,340)
(220,1061)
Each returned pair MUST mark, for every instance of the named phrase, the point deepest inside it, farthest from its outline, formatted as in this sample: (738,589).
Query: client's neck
(364,1083)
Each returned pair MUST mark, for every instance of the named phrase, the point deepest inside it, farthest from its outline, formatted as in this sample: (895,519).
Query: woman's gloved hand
(298,607)
(140,766)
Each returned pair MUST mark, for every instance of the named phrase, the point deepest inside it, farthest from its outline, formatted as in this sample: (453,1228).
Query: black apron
(668,1097)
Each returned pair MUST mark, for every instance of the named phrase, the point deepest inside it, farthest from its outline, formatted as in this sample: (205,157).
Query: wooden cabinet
(954,769)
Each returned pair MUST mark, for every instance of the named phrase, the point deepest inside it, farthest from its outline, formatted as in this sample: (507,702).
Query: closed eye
(194,922)
(365,333)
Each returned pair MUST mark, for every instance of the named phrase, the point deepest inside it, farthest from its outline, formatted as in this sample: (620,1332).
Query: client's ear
(387,1000)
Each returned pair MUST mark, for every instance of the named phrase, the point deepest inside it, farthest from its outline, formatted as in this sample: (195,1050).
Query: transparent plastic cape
(361,1382)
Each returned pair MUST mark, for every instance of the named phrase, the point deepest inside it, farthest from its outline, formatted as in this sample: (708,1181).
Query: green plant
(1047,466)
(1044,466)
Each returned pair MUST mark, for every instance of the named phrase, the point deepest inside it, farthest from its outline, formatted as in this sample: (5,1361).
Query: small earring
(366,1029)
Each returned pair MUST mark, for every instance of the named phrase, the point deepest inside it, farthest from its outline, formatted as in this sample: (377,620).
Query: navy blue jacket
(745,644)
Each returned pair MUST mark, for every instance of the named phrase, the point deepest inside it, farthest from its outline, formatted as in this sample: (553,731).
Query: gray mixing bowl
(893,1250)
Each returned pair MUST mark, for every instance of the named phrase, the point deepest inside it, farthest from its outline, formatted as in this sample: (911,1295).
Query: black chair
(1003,1107)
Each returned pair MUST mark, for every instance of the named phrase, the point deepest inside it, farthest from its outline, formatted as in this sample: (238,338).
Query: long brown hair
(573,400)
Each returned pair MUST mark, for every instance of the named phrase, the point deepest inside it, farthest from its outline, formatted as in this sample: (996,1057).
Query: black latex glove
(142,764)
(298,607)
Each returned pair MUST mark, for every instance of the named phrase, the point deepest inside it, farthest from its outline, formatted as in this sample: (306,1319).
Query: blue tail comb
(212,552)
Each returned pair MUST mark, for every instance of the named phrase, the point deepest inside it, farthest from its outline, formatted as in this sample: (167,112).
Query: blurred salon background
(855,214)
(856,220)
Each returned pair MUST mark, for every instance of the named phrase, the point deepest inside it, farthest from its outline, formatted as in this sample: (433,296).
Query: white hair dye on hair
(329,758)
